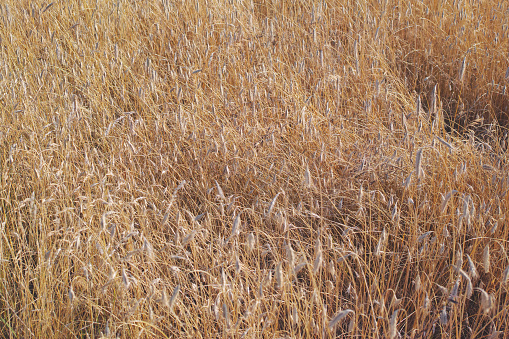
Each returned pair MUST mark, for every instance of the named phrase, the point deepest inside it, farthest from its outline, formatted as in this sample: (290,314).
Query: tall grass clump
(257,169)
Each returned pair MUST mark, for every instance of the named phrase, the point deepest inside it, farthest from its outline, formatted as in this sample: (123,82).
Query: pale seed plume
(338,317)
(173,298)
(418,164)
(236,226)
(308,181)
(445,200)
(486,301)
(486,258)
(505,276)
(279,275)
(472,270)
(250,242)
(393,330)
(461,75)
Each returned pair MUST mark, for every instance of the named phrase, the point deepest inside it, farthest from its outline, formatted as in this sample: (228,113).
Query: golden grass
(254,169)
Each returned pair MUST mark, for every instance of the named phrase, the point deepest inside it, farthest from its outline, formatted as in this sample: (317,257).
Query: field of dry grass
(254,169)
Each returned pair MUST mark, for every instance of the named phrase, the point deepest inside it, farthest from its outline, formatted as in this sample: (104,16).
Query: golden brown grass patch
(253,169)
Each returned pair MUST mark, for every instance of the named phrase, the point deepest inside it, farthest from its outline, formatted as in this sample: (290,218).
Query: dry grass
(254,169)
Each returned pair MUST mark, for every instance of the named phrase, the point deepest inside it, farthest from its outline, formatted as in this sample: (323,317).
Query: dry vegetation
(254,169)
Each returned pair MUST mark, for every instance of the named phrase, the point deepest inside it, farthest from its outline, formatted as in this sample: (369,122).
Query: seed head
(338,317)
(393,330)
(486,258)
